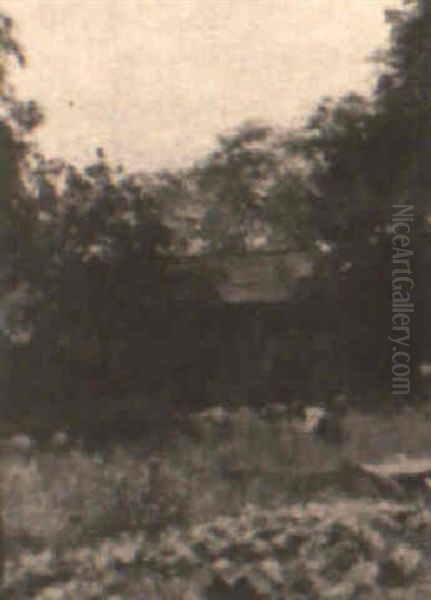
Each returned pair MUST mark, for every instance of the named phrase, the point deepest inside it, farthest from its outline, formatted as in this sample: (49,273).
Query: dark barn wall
(245,344)
(188,356)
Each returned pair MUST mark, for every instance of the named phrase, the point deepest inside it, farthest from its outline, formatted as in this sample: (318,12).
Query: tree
(18,213)
(17,120)
(235,184)
(366,156)
(90,301)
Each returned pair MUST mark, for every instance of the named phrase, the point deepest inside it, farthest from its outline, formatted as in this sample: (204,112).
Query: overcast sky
(154,81)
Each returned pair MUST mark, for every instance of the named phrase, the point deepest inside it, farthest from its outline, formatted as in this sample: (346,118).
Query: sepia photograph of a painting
(215,299)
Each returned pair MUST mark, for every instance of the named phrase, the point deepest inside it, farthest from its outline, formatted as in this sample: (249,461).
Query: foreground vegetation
(242,505)
(340,549)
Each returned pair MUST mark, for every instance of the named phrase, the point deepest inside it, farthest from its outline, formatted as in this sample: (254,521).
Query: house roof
(249,278)
(240,279)
(261,278)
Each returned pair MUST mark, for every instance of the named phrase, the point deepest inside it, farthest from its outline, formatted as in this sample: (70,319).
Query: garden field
(240,504)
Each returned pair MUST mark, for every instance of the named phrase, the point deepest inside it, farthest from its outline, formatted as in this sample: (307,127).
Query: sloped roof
(261,278)
(253,278)
(241,279)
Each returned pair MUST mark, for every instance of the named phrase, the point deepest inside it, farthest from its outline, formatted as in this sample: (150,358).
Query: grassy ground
(58,501)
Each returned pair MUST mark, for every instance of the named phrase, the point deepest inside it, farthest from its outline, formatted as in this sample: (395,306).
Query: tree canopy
(86,277)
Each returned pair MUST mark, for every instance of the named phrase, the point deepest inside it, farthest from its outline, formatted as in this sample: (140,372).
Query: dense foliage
(88,288)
